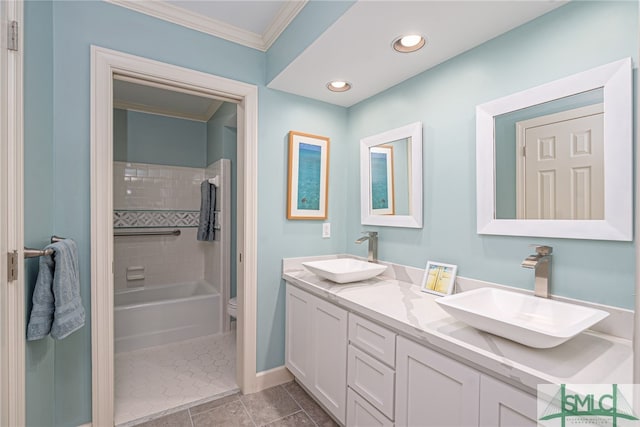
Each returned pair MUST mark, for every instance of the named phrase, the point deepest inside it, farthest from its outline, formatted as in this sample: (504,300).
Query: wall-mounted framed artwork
(382,190)
(308,176)
(439,278)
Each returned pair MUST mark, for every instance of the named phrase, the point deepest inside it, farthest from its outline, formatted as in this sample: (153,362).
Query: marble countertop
(589,358)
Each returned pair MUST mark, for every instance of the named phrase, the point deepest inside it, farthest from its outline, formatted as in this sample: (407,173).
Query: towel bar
(35,253)
(146,233)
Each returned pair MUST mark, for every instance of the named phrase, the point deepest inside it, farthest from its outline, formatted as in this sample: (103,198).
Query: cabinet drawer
(361,414)
(374,339)
(372,380)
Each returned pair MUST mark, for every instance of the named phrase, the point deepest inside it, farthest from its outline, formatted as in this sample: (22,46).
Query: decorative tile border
(150,219)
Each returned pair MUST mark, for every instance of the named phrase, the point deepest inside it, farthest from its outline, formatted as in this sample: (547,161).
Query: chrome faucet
(372,237)
(541,262)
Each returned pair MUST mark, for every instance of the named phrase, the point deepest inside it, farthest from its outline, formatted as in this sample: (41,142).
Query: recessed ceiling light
(409,43)
(338,86)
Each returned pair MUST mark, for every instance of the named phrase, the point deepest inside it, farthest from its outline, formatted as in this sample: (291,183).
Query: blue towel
(57,307)
(206,226)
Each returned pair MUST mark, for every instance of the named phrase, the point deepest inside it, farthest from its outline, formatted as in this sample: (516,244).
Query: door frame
(12,294)
(104,64)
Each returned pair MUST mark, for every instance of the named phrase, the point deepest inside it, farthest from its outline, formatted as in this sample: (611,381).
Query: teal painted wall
(277,237)
(38,196)
(219,146)
(555,45)
(222,139)
(75,27)
(161,140)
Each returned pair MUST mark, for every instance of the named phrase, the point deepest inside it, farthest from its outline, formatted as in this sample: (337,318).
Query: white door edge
(12,335)
(104,63)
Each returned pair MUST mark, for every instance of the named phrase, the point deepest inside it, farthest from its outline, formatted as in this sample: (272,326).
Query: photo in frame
(439,278)
(382,190)
(308,176)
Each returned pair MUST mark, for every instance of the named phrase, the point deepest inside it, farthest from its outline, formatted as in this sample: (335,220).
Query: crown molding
(177,15)
(285,15)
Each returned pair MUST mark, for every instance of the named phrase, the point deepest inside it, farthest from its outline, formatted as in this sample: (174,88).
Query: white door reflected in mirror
(561,173)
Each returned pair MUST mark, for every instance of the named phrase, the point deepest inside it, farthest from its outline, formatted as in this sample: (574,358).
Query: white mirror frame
(616,80)
(414,219)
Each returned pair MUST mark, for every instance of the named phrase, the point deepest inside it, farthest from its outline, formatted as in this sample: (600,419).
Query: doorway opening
(174,249)
(108,65)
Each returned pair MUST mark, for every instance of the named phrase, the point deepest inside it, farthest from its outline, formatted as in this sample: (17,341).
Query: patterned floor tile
(160,379)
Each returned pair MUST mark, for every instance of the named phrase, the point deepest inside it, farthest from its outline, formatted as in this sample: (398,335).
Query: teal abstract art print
(309,157)
(308,176)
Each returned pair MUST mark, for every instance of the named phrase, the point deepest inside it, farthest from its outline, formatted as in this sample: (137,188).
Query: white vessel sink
(344,270)
(532,321)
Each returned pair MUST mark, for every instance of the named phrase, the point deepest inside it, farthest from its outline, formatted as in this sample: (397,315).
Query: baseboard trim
(272,378)
(85,425)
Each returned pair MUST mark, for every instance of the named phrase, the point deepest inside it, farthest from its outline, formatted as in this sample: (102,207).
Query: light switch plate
(326,230)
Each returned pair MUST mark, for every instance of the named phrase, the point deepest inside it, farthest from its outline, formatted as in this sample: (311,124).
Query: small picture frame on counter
(439,278)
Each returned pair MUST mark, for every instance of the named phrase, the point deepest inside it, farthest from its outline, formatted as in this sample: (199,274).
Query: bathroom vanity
(381,352)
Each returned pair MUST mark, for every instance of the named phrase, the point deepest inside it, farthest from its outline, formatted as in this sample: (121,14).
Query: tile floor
(287,405)
(158,380)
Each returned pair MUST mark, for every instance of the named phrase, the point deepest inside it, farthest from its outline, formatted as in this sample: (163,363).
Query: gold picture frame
(308,182)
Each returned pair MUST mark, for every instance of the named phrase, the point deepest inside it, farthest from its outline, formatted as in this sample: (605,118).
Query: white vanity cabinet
(316,348)
(504,405)
(434,390)
(366,375)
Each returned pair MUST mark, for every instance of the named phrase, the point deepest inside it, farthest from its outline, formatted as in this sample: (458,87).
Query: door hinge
(12,266)
(12,39)
(524,151)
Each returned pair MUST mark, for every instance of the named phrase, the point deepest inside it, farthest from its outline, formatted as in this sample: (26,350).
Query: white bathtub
(157,315)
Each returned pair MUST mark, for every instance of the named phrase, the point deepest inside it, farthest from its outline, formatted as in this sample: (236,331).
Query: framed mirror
(391,177)
(556,160)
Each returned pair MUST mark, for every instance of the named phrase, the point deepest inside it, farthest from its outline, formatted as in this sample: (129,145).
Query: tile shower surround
(153,219)
(140,186)
(166,259)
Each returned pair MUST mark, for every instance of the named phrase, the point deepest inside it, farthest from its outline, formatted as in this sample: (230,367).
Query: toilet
(232,308)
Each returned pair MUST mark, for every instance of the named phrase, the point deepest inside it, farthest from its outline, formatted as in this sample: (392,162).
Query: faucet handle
(370,233)
(542,250)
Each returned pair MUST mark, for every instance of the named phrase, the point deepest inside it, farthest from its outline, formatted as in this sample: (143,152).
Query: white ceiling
(357,47)
(130,94)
